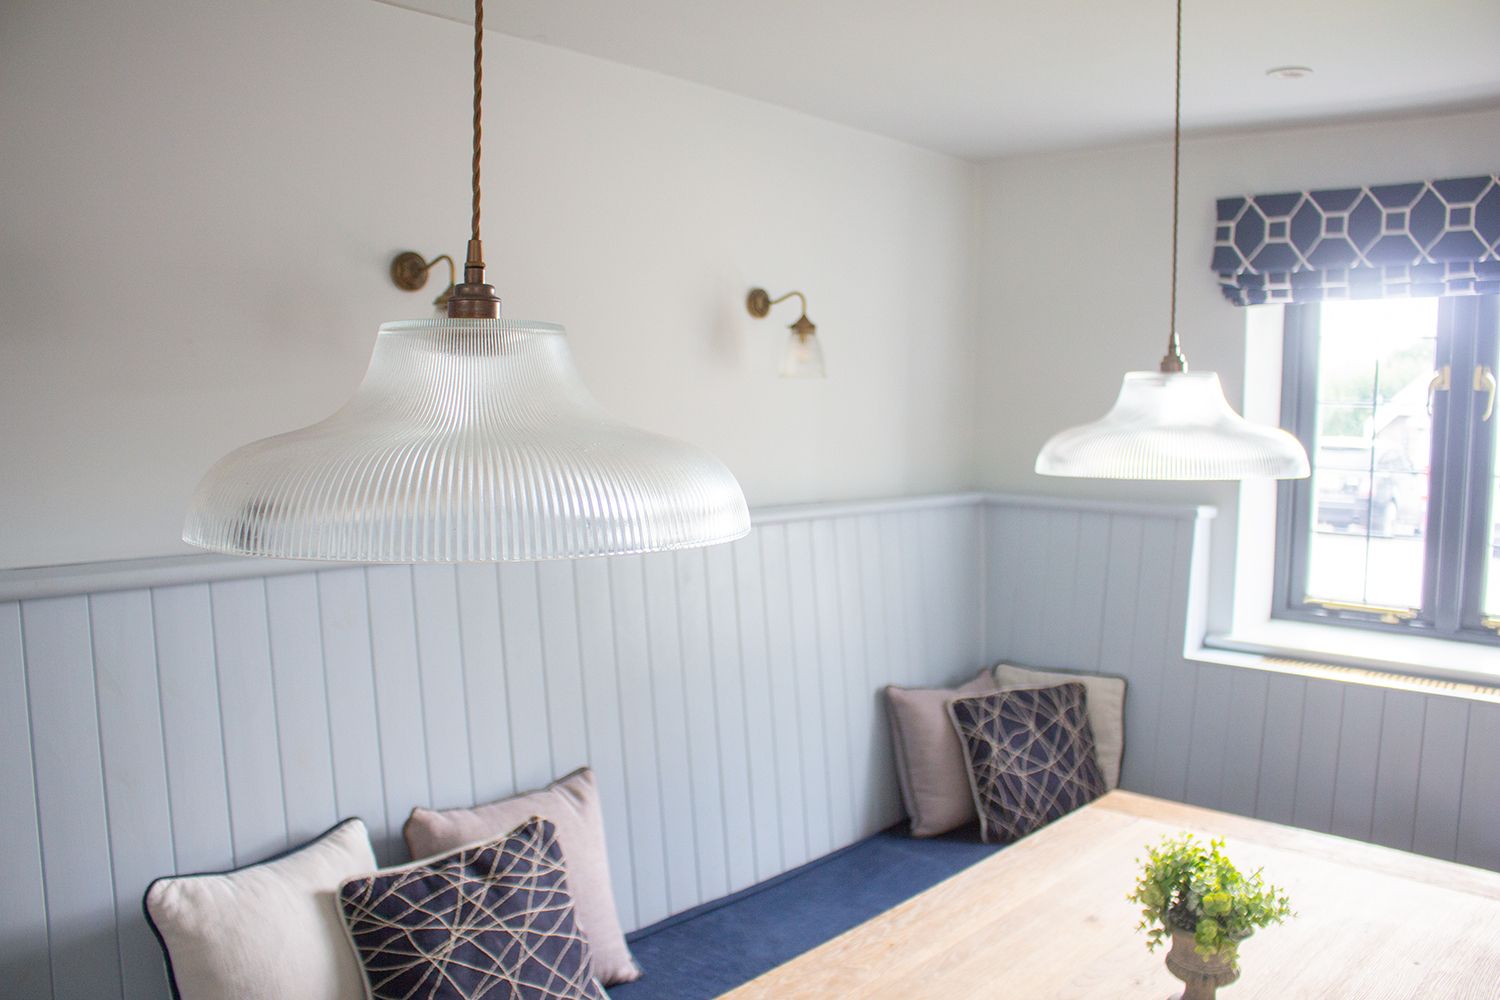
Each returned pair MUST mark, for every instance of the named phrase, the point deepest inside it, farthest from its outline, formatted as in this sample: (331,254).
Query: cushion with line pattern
(1030,756)
(494,920)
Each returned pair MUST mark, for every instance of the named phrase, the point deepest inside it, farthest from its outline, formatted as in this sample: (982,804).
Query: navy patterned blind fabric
(1392,240)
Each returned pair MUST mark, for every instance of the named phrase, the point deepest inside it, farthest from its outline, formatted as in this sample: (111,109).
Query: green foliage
(1185,884)
(1362,381)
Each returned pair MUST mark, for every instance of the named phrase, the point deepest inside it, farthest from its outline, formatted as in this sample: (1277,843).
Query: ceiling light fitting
(471,439)
(803,357)
(1173,423)
(1289,72)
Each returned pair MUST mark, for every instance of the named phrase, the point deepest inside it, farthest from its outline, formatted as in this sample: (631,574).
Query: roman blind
(1422,238)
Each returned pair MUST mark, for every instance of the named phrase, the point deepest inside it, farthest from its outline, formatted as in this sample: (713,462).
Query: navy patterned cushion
(494,920)
(1030,754)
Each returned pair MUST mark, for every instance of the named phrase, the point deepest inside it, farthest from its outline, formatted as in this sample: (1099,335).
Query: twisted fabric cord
(478,105)
(1176,174)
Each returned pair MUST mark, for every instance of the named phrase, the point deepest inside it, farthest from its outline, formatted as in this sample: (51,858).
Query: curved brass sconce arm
(759,303)
(409,273)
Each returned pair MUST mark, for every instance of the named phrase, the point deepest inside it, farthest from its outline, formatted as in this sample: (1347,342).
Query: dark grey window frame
(1457,532)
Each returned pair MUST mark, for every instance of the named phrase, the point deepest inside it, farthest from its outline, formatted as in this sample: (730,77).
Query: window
(1398,528)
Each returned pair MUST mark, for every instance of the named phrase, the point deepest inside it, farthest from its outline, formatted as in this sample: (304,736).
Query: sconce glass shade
(1173,425)
(469,440)
(803,357)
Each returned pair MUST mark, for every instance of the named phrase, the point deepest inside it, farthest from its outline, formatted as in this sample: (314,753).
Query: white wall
(1074,279)
(200,202)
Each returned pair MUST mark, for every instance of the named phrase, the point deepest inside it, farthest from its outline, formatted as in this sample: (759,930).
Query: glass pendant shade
(469,440)
(1173,425)
(803,357)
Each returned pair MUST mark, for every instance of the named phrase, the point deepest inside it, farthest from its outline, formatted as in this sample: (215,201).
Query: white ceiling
(985,78)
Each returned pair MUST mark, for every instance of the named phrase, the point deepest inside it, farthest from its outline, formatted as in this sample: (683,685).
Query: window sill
(1426,662)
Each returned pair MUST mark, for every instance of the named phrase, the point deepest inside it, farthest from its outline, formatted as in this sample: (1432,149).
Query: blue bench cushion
(713,948)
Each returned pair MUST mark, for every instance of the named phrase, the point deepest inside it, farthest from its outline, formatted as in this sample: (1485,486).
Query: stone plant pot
(1203,976)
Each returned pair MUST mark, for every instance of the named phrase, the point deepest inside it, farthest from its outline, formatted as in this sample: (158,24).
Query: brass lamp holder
(759,302)
(1173,362)
(472,298)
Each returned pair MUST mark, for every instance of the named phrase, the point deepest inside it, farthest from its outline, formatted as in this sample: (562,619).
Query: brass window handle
(1389,615)
(1484,381)
(1442,381)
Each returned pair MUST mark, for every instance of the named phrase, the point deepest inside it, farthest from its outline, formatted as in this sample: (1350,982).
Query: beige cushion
(929,760)
(270,931)
(571,804)
(1106,709)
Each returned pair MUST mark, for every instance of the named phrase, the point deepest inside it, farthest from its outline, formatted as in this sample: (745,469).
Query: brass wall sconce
(409,273)
(804,354)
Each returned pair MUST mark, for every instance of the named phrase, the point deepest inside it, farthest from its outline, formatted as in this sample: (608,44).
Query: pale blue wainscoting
(1095,589)
(728,698)
(191,714)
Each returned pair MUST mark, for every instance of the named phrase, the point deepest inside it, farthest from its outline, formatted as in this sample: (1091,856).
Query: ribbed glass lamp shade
(803,357)
(1175,425)
(469,440)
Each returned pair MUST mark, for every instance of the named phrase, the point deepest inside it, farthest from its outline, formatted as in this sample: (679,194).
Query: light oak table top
(1047,918)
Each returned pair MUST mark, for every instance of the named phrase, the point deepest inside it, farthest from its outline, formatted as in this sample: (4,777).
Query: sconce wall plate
(759,303)
(409,270)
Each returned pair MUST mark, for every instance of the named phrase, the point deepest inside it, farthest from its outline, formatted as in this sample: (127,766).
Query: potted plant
(1194,893)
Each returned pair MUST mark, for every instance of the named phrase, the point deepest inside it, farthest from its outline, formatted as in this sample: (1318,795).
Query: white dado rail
(198,713)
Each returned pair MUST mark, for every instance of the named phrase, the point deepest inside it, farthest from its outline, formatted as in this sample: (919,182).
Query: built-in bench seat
(711,949)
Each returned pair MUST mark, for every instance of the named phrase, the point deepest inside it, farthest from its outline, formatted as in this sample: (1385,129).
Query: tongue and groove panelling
(1087,587)
(727,697)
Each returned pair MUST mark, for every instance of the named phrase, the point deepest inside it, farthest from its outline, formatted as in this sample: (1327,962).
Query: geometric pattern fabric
(1031,757)
(492,921)
(1383,241)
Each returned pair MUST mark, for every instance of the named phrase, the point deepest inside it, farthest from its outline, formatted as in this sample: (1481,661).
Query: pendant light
(471,439)
(1173,423)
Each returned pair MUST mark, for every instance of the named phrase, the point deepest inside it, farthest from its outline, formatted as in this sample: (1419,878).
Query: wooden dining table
(1047,917)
